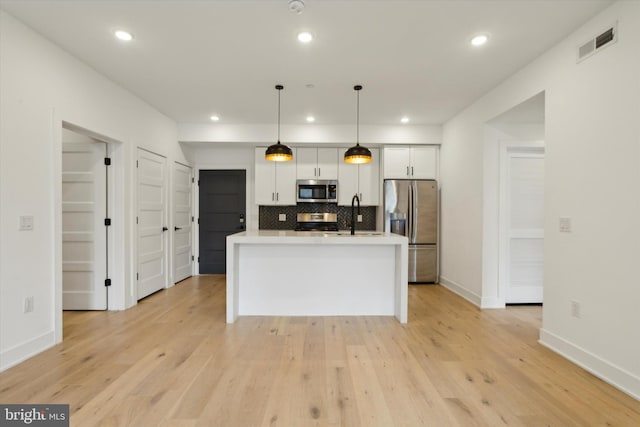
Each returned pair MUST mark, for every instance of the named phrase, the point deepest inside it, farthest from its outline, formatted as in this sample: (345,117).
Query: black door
(222,212)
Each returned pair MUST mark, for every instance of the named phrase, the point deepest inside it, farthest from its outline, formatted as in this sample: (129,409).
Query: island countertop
(318,237)
(310,273)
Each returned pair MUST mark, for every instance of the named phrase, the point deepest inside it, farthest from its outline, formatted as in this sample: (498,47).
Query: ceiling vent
(606,38)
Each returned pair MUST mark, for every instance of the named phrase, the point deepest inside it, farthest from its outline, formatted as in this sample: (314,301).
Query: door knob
(164,228)
(177,228)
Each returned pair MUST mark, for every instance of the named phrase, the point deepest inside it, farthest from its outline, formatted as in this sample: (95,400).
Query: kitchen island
(292,273)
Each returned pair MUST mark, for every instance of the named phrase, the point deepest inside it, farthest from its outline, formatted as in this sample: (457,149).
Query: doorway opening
(85,222)
(222,211)
(520,135)
(183,222)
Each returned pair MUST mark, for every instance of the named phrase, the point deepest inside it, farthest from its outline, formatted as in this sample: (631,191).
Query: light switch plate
(26,223)
(359,218)
(565,225)
(282,217)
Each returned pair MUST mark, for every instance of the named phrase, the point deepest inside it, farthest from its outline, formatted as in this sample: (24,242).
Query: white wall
(42,86)
(592,173)
(310,134)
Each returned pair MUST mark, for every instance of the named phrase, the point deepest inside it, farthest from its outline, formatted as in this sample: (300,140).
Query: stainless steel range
(317,221)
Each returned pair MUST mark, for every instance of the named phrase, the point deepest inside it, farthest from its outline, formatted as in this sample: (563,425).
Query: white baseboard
(617,377)
(21,352)
(460,290)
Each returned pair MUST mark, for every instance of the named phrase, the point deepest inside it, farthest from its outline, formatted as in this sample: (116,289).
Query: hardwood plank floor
(173,361)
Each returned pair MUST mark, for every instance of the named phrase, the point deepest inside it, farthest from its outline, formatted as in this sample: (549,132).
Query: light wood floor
(172,361)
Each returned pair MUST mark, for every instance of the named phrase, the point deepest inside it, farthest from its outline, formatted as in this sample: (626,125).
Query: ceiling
(194,58)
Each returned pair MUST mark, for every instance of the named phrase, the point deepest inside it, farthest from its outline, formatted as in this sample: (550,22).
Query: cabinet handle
(319,172)
(407,170)
(411,170)
(273,197)
(314,172)
(277,196)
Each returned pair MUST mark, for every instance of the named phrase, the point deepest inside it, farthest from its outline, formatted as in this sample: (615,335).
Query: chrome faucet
(353,216)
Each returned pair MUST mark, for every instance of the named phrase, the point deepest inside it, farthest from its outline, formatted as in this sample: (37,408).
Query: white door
(84,235)
(182,209)
(525,226)
(152,223)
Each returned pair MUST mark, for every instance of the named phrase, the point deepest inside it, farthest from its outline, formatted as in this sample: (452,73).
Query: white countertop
(317,237)
(326,274)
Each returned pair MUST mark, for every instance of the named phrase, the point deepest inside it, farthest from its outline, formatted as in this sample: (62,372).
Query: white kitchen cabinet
(275,182)
(317,163)
(363,179)
(419,162)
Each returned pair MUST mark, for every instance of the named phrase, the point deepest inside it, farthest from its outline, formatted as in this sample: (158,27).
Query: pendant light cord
(358,117)
(279,115)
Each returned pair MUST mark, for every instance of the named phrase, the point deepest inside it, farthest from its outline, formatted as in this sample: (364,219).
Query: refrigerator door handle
(410,211)
(414,212)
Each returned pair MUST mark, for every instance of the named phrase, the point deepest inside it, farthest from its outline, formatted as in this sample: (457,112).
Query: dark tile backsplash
(269,216)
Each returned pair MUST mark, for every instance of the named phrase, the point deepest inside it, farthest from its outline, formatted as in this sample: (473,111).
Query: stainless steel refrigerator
(411,209)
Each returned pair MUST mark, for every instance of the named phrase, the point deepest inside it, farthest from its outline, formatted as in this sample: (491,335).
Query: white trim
(491,302)
(456,288)
(26,350)
(619,378)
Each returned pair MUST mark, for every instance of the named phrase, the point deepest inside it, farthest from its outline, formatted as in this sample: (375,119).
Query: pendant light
(278,152)
(357,154)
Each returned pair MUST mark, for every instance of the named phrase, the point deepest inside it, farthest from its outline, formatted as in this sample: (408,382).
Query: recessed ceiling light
(311,119)
(305,37)
(479,40)
(405,120)
(123,35)
(214,118)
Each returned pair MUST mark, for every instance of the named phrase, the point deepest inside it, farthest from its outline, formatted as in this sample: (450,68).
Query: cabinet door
(369,180)
(423,162)
(285,187)
(307,163)
(328,163)
(347,181)
(265,179)
(396,162)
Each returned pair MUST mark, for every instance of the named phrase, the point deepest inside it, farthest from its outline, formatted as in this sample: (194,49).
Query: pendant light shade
(278,152)
(357,154)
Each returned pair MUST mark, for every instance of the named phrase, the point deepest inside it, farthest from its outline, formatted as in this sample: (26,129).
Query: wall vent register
(605,38)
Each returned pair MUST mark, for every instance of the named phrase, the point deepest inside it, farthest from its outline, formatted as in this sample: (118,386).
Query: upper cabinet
(363,180)
(317,163)
(275,182)
(418,162)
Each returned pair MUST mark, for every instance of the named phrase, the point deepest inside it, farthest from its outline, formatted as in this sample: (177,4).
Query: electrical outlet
(576,309)
(359,218)
(565,225)
(28,304)
(282,217)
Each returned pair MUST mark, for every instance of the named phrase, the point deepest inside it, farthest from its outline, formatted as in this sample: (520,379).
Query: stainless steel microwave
(316,191)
